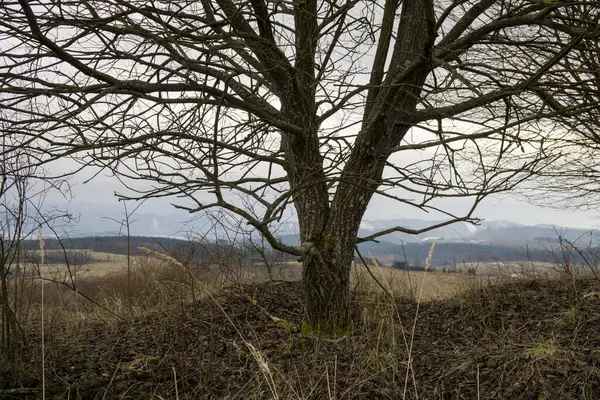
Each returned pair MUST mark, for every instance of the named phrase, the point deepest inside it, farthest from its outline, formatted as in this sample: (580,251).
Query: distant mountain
(490,241)
(487,232)
(96,223)
(104,222)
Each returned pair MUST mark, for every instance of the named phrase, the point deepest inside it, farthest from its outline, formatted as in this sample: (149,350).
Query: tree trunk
(328,229)
(326,279)
(327,263)
(326,286)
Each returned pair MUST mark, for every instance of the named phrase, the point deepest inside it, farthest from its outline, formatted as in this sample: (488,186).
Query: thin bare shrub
(22,191)
(576,258)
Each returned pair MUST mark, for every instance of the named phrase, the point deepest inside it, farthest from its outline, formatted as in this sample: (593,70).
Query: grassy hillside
(167,331)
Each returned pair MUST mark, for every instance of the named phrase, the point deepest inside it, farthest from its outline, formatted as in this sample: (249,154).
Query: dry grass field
(428,285)
(524,268)
(97,264)
(374,278)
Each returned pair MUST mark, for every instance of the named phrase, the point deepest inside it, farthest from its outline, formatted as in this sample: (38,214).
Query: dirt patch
(520,340)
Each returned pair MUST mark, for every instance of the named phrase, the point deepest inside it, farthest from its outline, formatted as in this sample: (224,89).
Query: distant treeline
(451,254)
(106,244)
(181,250)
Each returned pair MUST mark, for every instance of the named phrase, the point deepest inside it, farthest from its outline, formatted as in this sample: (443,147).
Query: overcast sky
(98,197)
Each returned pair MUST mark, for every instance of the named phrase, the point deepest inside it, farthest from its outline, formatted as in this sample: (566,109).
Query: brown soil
(522,340)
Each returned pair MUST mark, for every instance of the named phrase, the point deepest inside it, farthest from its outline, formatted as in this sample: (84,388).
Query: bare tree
(256,107)
(573,180)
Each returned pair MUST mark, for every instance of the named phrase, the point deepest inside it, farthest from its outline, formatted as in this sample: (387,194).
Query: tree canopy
(257,106)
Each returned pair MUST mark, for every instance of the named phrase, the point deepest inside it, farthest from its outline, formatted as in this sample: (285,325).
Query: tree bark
(326,279)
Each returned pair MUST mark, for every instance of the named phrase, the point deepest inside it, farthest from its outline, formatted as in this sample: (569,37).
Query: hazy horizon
(98,196)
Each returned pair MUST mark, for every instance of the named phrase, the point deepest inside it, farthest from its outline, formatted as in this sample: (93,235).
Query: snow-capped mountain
(485,232)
